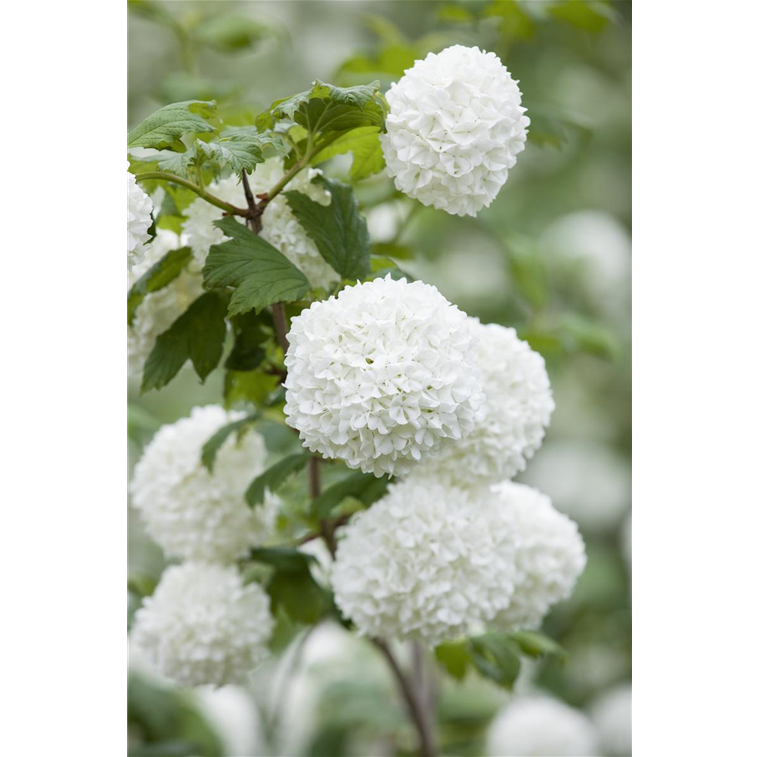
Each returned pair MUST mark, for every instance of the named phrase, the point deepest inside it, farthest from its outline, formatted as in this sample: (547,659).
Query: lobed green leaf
(157,277)
(338,229)
(260,273)
(275,476)
(214,444)
(197,335)
(164,128)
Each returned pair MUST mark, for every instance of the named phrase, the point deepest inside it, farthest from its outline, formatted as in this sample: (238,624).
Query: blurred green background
(551,257)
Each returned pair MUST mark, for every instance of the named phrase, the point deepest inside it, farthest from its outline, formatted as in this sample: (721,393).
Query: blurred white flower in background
(382,375)
(549,559)
(578,413)
(612,715)
(540,726)
(426,562)
(158,310)
(292,689)
(589,481)
(202,626)
(595,665)
(139,663)
(139,217)
(233,714)
(384,220)
(280,227)
(454,129)
(596,248)
(517,411)
(468,275)
(191,512)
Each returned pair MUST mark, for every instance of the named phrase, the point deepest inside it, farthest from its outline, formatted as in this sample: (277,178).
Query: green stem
(299,166)
(199,191)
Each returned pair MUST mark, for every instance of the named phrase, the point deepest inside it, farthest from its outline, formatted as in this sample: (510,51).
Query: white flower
(592,250)
(280,227)
(195,514)
(158,310)
(427,562)
(587,480)
(536,726)
(382,375)
(454,129)
(517,411)
(202,626)
(139,218)
(549,557)
(612,715)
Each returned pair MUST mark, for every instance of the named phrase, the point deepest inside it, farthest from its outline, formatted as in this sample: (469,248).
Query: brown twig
(253,218)
(413,704)
(334,525)
(280,324)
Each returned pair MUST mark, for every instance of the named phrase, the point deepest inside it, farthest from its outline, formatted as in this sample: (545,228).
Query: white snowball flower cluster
(280,227)
(517,411)
(454,129)
(202,626)
(158,310)
(536,726)
(427,562)
(550,555)
(195,514)
(139,208)
(382,375)
(612,715)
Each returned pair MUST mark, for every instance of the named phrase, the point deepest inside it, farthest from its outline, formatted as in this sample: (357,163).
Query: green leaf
(231,34)
(366,148)
(180,163)
(363,486)
(141,584)
(241,148)
(454,656)
(275,476)
(536,644)
(251,330)
(248,386)
(292,586)
(515,22)
(214,444)
(152,11)
(581,333)
(495,657)
(164,128)
(589,16)
(390,250)
(380,267)
(455,14)
(338,229)
(197,335)
(326,108)
(261,273)
(157,277)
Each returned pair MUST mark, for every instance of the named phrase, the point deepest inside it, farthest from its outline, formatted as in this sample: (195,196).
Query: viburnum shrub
(412,417)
